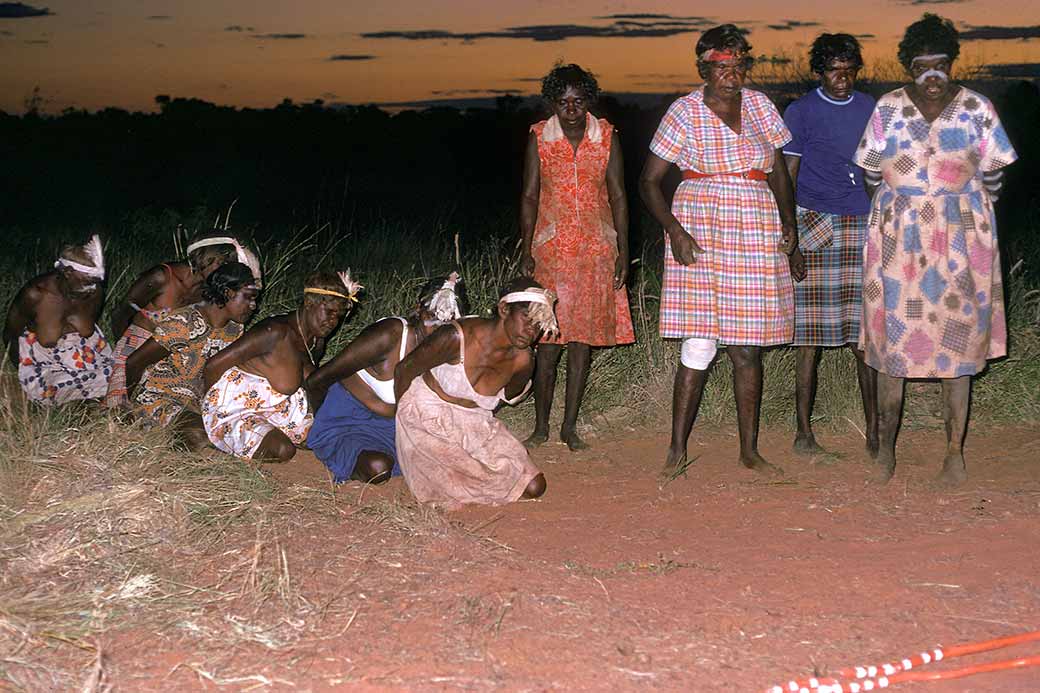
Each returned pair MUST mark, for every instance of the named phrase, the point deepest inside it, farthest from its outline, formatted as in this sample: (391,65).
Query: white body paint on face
(923,77)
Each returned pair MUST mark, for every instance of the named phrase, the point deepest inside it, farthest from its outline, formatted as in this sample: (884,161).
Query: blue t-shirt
(826,133)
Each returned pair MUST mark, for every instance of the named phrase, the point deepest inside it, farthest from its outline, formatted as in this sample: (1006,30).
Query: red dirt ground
(719,581)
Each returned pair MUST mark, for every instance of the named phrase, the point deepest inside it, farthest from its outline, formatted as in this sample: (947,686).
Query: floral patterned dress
(575,243)
(933,304)
(174,384)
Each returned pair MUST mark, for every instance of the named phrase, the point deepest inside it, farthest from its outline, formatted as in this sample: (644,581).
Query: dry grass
(107,529)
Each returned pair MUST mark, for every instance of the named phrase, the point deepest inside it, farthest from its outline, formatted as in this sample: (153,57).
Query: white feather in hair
(350,285)
(444,304)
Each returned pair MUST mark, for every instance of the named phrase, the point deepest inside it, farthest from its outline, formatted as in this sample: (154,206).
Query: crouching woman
(255,405)
(451,448)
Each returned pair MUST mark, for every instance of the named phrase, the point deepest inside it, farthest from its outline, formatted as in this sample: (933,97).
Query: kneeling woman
(353,431)
(255,405)
(169,364)
(451,448)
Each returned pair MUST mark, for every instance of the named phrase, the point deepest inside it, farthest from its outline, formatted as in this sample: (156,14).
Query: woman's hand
(527,264)
(789,236)
(620,271)
(684,248)
(796,261)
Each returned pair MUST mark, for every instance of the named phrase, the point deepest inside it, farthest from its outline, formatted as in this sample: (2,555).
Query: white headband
(444,304)
(93,250)
(542,309)
(244,255)
(526,296)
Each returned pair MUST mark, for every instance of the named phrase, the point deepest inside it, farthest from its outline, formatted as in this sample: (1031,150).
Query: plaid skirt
(828,303)
(739,290)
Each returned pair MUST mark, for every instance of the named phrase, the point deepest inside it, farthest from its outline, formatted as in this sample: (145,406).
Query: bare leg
(807,358)
(956,398)
(747,387)
(868,392)
(535,488)
(372,467)
(890,406)
(188,428)
(686,400)
(578,357)
(275,447)
(547,356)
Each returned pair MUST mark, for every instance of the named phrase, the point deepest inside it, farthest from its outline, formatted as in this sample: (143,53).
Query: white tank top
(384,389)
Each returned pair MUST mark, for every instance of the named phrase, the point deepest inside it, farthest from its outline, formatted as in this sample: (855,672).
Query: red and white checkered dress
(739,291)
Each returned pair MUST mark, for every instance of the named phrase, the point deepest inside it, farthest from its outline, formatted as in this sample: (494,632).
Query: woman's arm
(529,203)
(19,315)
(145,355)
(258,341)
(793,163)
(779,180)
(684,247)
(618,208)
(519,382)
(143,291)
(369,348)
(440,347)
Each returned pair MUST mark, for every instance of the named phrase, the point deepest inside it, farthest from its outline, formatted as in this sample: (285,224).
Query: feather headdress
(350,286)
(244,255)
(444,304)
(540,309)
(92,249)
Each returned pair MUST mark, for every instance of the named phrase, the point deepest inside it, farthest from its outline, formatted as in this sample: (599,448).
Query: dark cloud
(935,2)
(471,92)
(159,17)
(865,37)
(1014,70)
(239,28)
(6,33)
(346,57)
(656,75)
(642,26)
(790,24)
(19,10)
(989,33)
(526,79)
(280,37)
(38,42)
(773,60)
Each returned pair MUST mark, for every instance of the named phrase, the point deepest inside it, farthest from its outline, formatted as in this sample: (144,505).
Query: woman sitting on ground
(451,448)
(163,289)
(255,405)
(51,332)
(353,431)
(169,364)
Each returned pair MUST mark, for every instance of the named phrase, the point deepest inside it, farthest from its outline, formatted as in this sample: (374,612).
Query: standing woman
(933,303)
(574,226)
(731,237)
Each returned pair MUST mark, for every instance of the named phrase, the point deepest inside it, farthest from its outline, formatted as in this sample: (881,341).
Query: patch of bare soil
(719,580)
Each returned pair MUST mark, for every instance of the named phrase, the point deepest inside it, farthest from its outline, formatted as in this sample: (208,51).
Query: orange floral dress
(575,243)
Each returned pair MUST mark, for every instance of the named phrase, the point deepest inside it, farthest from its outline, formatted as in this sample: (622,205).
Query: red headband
(715,55)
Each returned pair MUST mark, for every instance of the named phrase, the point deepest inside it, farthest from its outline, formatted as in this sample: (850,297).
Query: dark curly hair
(929,34)
(828,48)
(433,286)
(563,76)
(721,38)
(230,276)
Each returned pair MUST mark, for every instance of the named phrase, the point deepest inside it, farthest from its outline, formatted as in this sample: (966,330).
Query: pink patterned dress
(739,291)
(575,243)
(933,304)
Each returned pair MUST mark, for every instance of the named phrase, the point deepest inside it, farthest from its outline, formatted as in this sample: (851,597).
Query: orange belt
(753,174)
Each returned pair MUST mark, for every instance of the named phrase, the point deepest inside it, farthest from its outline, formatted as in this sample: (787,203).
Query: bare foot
(755,463)
(573,441)
(884,467)
(674,460)
(536,439)
(954,472)
(806,445)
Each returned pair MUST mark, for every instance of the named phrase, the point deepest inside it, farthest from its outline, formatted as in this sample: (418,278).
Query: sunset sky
(90,54)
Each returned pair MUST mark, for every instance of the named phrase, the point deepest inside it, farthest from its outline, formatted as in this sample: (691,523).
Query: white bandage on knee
(698,353)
